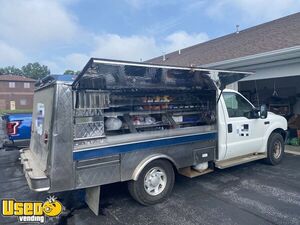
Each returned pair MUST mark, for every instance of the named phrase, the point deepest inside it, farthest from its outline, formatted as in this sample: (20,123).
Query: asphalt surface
(252,193)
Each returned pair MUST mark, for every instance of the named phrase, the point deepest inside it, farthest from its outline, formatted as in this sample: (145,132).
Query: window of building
(12,84)
(23,102)
(26,85)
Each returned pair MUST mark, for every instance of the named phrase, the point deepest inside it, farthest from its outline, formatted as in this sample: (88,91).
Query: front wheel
(154,184)
(275,149)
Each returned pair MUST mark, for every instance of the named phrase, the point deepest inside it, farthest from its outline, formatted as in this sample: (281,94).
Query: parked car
(17,129)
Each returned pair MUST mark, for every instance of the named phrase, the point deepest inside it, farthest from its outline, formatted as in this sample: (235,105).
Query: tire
(275,149)
(154,184)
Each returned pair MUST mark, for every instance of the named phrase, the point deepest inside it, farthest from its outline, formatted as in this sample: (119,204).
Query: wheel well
(145,162)
(281,132)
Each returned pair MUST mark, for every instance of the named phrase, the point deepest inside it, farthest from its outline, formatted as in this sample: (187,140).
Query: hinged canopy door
(101,74)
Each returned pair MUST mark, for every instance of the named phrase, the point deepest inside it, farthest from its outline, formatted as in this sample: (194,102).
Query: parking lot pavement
(252,193)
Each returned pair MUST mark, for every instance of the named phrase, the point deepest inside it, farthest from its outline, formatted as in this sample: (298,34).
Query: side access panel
(98,171)
(181,155)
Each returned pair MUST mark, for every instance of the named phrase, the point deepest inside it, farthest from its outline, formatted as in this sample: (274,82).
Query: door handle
(267,122)
(229,126)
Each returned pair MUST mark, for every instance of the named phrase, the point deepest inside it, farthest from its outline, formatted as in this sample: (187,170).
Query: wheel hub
(155,181)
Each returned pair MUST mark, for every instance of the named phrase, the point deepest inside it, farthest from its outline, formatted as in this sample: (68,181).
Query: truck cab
(243,130)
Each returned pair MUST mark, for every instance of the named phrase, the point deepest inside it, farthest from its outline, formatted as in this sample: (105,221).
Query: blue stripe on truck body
(138,146)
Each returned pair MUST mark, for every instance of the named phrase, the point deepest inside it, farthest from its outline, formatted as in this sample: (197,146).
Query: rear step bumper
(36,178)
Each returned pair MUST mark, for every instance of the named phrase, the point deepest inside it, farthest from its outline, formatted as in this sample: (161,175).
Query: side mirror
(263,111)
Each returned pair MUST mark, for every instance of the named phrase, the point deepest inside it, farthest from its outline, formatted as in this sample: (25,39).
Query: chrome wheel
(155,181)
(277,149)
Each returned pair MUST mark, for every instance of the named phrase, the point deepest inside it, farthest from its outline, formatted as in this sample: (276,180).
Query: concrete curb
(292,152)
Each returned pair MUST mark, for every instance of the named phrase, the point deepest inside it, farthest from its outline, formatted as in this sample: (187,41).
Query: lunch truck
(140,123)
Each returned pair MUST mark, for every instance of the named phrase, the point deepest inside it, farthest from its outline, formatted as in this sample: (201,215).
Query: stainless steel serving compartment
(43,103)
(118,116)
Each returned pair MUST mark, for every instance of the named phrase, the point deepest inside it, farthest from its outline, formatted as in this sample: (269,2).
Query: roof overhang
(261,60)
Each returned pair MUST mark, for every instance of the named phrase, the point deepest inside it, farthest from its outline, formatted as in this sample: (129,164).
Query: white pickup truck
(136,122)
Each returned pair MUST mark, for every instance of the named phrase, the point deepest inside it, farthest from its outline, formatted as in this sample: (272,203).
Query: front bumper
(36,178)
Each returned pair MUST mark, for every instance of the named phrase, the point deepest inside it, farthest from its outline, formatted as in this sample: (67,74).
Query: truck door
(244,130)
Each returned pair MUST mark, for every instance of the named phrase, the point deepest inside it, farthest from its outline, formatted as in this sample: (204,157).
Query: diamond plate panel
(87,112)
(87,130)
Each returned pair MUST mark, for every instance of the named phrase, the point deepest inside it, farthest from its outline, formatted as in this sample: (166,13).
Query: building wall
(21,96)
(267,71)
(275,71)
(284,75)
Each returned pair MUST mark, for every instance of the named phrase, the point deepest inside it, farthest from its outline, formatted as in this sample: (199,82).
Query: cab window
(236,105)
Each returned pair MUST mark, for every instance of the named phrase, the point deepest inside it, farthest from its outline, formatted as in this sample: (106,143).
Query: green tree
(35,70)
(72,72)
(10,70)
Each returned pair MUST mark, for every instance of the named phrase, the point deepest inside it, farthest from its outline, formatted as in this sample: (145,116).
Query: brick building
(16,92)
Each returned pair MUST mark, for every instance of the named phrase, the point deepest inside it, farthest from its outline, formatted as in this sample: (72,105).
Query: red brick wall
(16,94)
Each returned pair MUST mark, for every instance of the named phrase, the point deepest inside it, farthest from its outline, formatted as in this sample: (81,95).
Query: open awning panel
(110,74)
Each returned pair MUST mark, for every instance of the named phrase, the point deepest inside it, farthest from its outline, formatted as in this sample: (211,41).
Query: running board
(239,160)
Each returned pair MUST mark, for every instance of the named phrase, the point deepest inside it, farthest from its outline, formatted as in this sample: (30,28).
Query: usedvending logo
(31,211)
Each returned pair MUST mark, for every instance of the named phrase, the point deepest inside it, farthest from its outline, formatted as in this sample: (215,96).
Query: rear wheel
(154,184)
(275,149)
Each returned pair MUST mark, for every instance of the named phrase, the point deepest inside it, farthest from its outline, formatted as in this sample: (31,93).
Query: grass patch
(15,111)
